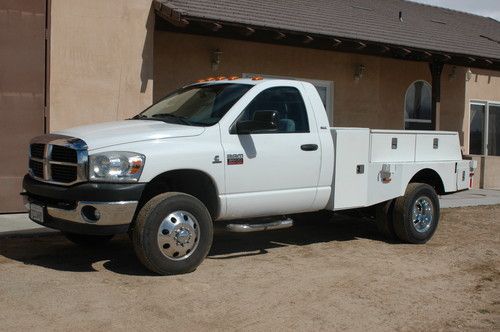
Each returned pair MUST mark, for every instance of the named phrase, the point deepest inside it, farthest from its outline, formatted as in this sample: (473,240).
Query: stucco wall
(101,60)
(376,101)
(452,113)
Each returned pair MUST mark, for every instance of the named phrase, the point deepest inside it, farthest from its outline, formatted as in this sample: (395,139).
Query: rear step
(259,227)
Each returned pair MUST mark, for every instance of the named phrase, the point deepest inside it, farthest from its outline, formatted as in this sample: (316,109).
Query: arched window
(418,104)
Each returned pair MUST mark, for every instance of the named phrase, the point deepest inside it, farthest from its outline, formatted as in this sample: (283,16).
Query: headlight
(116,166)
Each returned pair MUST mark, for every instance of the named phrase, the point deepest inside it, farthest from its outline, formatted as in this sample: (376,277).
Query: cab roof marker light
(257,78)
(221,78)
(232,78)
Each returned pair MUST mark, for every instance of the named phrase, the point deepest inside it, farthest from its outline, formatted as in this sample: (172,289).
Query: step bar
(260,227)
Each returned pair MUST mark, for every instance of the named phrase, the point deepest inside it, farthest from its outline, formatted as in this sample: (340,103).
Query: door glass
(476,145)
(494,131)
(288,102)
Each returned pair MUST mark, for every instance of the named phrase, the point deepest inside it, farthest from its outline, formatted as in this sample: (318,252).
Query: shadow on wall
(147,51)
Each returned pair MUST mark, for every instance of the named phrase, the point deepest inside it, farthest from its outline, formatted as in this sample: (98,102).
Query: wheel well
(430,177)
(192,182)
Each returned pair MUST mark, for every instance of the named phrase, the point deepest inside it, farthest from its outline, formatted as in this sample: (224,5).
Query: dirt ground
(320,275)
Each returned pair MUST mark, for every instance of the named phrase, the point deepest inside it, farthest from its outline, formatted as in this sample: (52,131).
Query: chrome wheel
(178,235)
(423,214)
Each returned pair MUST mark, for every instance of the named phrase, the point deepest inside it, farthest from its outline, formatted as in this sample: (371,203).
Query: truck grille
(58,159)
(37,168)
(37,150)
(63,173)
(64,154)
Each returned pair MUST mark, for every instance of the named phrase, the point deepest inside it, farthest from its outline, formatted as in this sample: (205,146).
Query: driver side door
(273,172)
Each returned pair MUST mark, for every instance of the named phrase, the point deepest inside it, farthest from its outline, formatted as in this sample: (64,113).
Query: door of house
(22,92)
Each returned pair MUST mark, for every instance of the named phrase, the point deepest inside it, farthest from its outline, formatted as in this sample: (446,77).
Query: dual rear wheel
(412,218)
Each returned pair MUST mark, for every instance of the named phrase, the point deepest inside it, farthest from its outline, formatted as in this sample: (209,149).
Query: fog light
(90,213)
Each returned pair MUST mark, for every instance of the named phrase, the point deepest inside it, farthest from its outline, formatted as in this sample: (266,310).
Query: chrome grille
(37,150)
(36,168)
(64,154)
(58,159)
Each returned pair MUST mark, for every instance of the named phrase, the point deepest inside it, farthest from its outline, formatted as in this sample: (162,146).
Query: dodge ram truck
(251,152)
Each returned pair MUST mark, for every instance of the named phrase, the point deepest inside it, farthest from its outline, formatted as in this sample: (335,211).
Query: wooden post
(436,69)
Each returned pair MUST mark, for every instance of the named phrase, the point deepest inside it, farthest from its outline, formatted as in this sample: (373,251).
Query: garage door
(22,92)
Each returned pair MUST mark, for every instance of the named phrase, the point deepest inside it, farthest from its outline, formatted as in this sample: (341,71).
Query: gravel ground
(319,275)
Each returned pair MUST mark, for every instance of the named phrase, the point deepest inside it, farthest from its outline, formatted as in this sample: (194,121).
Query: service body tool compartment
(351,167)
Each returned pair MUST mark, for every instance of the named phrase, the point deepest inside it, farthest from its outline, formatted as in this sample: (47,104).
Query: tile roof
(421,26)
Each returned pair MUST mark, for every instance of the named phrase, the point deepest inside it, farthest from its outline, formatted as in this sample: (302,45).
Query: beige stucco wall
(101,60)
(377,100)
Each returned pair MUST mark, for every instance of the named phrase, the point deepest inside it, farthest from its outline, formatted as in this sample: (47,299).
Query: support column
(436,69)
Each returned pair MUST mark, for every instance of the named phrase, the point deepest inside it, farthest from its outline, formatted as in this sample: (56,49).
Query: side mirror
(263,121)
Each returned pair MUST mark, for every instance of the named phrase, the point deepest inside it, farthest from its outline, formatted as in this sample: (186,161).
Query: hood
(120,132)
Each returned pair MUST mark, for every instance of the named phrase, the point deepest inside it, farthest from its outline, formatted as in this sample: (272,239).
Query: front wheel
(173,233)
(416,214)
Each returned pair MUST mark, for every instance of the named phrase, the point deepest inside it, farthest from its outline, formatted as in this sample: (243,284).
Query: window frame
(232,128)
(486,104)
(328,85)
(405,120)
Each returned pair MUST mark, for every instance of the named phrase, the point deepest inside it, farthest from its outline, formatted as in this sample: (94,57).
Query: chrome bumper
(110,213)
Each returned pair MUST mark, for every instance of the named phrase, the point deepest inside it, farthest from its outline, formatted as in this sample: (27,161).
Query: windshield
(198,105)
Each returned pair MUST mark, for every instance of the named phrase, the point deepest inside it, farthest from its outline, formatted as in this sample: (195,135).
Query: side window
(288,102)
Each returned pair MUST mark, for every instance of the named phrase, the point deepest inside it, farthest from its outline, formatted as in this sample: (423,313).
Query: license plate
(36,212)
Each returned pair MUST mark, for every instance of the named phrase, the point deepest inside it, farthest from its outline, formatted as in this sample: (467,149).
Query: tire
(88,240)
(173,233)
(423,199)
(384,219)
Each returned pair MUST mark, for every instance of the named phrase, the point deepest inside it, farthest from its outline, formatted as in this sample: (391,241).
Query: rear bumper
(87,208)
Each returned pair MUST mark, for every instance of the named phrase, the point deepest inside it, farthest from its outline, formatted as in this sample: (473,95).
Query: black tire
(404,226)
(88,240)
(146,233)
(384,219)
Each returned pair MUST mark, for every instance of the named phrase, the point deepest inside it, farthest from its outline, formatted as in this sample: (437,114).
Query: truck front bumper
(87,208)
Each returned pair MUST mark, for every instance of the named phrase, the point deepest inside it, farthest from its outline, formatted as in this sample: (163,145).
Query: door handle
(309,147)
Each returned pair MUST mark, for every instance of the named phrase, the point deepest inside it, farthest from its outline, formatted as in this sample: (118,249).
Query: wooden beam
(404,51)
(279,35)
(384,49)
(212,26)
(247,31)
(336,42)
(307,39)
(436,69)
(360,46)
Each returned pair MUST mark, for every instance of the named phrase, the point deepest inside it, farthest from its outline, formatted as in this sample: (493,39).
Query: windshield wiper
(138,116)
(181,119)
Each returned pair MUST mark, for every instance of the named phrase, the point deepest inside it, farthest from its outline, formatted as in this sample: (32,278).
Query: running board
(267,226)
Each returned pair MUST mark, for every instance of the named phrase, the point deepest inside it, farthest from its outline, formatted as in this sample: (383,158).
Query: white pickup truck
(251,151)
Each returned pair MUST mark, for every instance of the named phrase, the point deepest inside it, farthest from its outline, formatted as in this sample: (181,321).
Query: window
(197,105)
(484,128)
(325,90)
(288,102)
(418,106)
